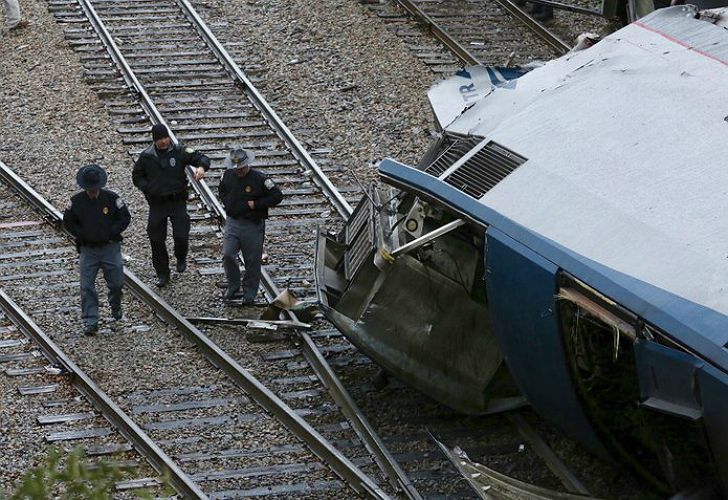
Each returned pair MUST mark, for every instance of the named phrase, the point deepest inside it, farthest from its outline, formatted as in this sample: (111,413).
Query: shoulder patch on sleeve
(269,184)
(189,150)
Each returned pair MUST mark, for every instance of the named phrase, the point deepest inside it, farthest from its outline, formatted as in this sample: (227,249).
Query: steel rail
(359,481)
(438,32)
(553,462)
(157,458)
(555,42)
(382,456)
(201,187)
(325,373)
(342,466)
(25,191)
(384,459)
(460,52)
(319,177)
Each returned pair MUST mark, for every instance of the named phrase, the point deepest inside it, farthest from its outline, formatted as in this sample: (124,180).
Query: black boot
(542,12)
(380,380)
(181,245)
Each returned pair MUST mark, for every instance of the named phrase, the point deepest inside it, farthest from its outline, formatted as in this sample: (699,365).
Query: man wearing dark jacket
(246,195)
(160,173)
(96,217)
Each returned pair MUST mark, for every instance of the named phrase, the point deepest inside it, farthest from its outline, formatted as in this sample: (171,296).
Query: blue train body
(596,187)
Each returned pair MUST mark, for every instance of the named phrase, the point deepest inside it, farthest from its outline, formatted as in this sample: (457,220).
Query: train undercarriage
(410,294)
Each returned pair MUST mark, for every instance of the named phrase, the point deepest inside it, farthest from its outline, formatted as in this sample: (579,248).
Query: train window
(598,310)
(599,336)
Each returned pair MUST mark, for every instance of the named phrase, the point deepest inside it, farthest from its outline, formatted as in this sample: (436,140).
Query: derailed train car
(573,222)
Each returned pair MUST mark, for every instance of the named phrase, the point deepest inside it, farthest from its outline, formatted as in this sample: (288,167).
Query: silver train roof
(626,175)
(627,147)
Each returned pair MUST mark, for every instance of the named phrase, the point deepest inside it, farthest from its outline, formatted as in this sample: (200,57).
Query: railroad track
(229,445)
(52,391)
(171,71)
(239,114)
(43,395)
(184,419)
(291,375)
(212,107)
(446,35)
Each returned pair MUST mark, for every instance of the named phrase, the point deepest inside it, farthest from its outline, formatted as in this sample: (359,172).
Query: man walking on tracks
(247,195)
(96,217)
(160,173)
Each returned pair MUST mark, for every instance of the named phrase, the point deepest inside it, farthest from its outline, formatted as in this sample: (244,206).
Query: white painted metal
(627,147)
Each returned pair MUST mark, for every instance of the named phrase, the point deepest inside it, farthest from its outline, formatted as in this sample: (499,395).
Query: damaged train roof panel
(631,191)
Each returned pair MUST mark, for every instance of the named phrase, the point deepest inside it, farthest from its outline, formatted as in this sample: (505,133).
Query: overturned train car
(572,222)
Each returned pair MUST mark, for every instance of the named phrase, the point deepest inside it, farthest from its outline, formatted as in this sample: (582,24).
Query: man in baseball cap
(160,173)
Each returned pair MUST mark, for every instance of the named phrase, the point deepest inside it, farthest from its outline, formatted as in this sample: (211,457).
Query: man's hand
(251,204)
(199,173)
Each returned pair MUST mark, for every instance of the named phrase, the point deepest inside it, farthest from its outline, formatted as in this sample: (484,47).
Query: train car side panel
(522,288)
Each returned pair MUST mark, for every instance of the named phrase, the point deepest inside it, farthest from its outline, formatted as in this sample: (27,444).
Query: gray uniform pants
(12,13)
(108,258)
(244,236)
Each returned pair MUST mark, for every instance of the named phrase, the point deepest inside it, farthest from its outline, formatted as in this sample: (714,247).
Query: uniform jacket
(235,192)
(95,222)
(160,175)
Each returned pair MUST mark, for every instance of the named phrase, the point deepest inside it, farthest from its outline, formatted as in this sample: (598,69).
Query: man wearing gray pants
(246,195)
(96,217)
(12,15)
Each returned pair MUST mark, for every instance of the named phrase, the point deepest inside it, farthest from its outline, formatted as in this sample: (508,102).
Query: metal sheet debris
(490,484)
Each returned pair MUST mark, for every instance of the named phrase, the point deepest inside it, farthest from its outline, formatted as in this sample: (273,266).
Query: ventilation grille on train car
(359,238)
(451,153)
(485,169)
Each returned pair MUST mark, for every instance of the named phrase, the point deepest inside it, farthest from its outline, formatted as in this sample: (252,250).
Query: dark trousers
(91,259)
(159,214)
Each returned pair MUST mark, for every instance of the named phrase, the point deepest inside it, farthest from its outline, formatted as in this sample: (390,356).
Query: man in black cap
(160,173)
(96,217)
(246,194)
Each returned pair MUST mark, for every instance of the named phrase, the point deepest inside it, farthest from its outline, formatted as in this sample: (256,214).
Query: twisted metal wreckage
(572,222)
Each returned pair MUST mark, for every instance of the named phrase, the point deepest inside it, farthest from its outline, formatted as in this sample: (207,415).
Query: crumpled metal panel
(450,97)
(421,316)
(422,328)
